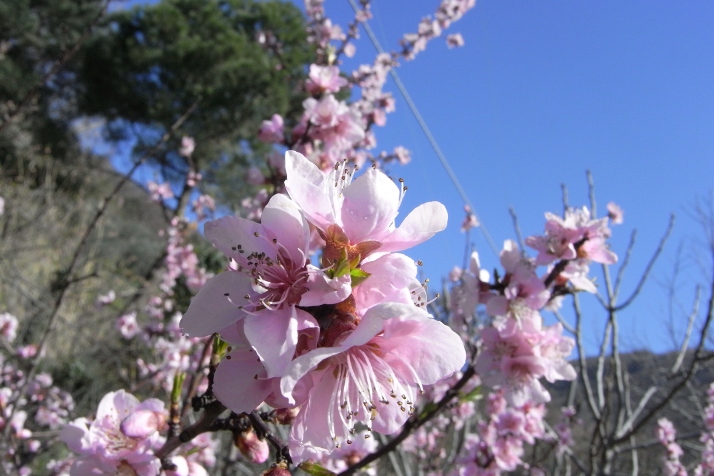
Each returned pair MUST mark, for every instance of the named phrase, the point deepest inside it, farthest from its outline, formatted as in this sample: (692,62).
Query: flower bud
(252,447)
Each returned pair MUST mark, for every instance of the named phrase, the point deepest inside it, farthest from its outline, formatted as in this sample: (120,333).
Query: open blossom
(574,236)
(516,354)
(358,216)
(372,373)
(524,293)
(120,440)
(324,79)
(269,277)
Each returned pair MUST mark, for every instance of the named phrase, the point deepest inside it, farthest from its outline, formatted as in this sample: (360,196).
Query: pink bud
(252,447)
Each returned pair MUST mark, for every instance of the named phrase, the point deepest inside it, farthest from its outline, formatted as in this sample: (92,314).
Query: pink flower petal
(214,307)
(370,205)
(421,224)
(240,382)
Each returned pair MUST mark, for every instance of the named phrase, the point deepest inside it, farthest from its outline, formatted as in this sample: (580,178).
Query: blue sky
(542,92)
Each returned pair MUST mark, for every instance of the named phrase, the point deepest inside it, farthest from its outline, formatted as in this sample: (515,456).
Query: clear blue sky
(543,91)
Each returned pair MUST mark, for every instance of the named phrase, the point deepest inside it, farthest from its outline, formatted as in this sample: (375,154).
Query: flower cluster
(667,435)
(348,342)
(498,445)
(27,404)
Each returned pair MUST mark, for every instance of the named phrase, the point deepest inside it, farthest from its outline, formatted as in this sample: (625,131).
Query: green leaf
(220,347)
(342,267)
(472,396)
(315,469)
(358,276)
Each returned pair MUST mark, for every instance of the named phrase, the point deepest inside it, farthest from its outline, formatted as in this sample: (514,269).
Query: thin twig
(649,266)
(517,228)
(688,333)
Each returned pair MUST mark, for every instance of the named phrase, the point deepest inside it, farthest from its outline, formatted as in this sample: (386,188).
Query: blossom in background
(615,213)
(120,440)
(127,325)
(188,144)
(272,131)
(323,79)
(8,326)
(455,40)
(160,192)
(105,299)
(470,220)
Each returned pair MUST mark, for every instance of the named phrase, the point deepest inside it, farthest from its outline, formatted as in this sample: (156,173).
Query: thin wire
(439,154)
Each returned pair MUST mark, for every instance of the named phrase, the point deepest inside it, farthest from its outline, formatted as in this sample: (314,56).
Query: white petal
(421,224)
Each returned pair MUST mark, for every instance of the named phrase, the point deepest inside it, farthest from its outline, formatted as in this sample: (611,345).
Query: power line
(439,154)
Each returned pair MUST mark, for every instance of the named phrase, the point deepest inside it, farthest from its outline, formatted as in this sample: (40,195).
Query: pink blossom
(192,178)
(127,325)
(370,373)
(101,445)
(105,299)
(160,192)
(615,213)
(455,40)
(27,351)
(272,131)
(576,229)
(269,278)
(667,436)
(358,216)
(203,206)
(470,221)
(524,293)
(402,155)
(517,353)
(253,448)
(323,79)
(8,326)
(187,146)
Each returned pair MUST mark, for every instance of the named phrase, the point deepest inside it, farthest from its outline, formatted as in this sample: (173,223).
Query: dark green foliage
(34,37)
(151,63)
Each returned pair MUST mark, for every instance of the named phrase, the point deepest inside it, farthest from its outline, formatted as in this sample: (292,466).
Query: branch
(651,263)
